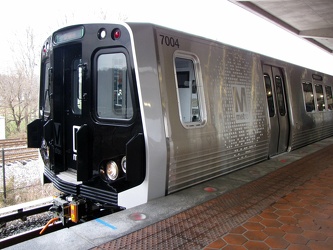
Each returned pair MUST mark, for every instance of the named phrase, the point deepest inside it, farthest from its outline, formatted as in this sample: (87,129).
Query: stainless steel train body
(132,112)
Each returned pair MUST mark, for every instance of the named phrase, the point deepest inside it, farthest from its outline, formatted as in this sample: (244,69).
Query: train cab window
(114,99)
(308,96)
(329,99)
(269,93)
(77,87)
(189,90)
(280,95)
(45,101)
(320,97)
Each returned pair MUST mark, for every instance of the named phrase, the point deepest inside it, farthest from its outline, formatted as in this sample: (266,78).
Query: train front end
(89,131)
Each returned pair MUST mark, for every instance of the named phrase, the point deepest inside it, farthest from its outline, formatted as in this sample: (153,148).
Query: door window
(280,95)
(77,87)
(45,100)
(269,93)
(320,97)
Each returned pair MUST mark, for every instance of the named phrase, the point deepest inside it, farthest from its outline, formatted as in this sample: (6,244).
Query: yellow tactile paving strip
(291,208)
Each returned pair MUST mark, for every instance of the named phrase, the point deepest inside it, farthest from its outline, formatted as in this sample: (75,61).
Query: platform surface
(285,203)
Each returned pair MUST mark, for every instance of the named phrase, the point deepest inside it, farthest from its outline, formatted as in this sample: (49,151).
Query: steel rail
(22,214)
(34,233)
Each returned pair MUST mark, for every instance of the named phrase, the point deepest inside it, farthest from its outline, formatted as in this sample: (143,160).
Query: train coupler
(69,209)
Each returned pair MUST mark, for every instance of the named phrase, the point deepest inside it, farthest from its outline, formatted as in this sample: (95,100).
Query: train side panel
(312,115)
(205,109)
(309,103)
(232,131)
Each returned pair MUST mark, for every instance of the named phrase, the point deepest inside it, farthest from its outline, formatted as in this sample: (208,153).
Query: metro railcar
(135,111)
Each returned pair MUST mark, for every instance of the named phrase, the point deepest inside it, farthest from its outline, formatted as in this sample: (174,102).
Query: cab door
(277,109)
(67,105)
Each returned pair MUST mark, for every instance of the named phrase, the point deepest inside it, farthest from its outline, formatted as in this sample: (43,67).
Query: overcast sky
(216,19)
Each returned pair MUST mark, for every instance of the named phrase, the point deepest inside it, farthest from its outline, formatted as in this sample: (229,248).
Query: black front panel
(90,117)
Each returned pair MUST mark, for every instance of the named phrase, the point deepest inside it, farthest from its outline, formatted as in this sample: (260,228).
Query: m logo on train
(240,105)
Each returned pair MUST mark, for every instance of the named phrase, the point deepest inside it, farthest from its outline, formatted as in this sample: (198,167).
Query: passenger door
(278,111)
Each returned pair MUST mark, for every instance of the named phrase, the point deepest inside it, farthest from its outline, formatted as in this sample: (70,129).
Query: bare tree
(27,56)
(19,89)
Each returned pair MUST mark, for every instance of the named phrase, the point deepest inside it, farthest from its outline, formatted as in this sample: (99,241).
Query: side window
(269,93)
(114,99)
(320,97)
(189,90)
(329,100)
(308,96)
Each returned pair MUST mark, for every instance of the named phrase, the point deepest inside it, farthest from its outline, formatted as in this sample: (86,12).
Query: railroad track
(14,150)
(9,143)
(40,208)
(19,154)
(34,233)
(27,220)
(22,212)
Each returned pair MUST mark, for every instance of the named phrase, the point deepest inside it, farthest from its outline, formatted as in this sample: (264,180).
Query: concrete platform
(246,209)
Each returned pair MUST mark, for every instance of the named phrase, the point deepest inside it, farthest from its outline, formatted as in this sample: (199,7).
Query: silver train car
(132,112)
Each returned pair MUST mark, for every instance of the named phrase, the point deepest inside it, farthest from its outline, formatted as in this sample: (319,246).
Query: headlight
(123,164)
(112,170)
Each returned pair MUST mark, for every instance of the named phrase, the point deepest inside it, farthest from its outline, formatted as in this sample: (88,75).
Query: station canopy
(309,19)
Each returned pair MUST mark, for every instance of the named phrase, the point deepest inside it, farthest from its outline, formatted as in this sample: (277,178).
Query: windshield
(113,92)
